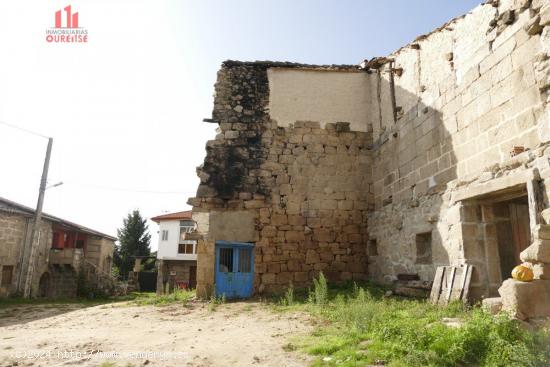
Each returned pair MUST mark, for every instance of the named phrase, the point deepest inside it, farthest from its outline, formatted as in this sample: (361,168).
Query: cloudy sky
(125,109)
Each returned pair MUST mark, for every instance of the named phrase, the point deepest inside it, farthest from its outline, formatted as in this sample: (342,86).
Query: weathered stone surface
(538,252)
(542,232)
(320,191)
(492,305)
(541,271)
(526,299)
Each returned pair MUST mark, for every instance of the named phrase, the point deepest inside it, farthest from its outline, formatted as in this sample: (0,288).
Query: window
(226,260)
(7,272)
(245,260)
(424,248)
(372,247)
(164,235)
(186,226)
(187,248)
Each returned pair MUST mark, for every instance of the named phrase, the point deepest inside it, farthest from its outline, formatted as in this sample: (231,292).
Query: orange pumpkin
(523,273)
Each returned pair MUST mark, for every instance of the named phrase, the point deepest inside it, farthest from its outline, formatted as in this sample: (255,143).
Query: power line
(23,129)
(111,188)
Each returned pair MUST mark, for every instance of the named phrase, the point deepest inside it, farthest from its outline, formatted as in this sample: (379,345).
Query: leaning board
(451,283)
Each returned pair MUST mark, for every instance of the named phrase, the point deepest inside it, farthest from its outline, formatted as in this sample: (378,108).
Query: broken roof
(290,65)
(12,207)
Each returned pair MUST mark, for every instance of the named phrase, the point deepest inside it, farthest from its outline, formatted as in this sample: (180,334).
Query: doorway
(513,232)
(495,230)
(234,269)
(44,285)
(192,277)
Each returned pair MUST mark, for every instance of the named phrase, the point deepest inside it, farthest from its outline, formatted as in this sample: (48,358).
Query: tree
(134,240)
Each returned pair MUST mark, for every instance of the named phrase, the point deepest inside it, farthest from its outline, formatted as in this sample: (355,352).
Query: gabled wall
(481,88)
(298,187)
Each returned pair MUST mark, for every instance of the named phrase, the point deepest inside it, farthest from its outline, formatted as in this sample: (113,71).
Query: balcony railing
(69,256)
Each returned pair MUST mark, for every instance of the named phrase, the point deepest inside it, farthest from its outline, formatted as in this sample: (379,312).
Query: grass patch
(149,298)
(215,301)
(359,326)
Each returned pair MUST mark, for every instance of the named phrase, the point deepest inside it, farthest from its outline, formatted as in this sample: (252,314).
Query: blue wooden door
(234,269)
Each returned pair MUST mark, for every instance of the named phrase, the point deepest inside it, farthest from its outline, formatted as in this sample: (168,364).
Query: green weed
(215,301)
(362,327)
(178,296)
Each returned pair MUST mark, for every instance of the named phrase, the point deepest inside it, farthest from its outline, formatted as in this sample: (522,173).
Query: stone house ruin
(437,154)
(65,250)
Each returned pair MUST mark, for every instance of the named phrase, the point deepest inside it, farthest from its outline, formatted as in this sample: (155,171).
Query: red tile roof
(176,215)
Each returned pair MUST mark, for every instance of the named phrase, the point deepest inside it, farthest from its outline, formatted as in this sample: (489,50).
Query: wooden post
(536,201)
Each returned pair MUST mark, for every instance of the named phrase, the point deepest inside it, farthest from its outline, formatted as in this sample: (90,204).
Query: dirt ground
(234,334)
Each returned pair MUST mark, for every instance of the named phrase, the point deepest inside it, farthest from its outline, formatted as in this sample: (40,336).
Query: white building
(177,257)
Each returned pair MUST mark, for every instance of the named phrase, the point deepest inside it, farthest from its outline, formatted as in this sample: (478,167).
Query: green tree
(134,240)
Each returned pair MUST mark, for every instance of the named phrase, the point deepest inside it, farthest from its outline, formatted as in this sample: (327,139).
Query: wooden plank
(436,288)
(450,284)
(458,289)
(457,285)
(466,290)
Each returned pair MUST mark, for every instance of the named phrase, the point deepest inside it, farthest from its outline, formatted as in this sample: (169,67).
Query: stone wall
(305,187)
(14,226)
(12,234)
(13,230)
(99,251)
(465,95)
(409,147)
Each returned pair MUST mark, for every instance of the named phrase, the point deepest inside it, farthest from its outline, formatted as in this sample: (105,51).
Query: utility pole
(31,243)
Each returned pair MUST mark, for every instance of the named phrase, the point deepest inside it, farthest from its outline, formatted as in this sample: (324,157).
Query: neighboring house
(177,256)
(64,250)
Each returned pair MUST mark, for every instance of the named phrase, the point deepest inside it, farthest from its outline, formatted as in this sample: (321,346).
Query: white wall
(317,95)
(168,250)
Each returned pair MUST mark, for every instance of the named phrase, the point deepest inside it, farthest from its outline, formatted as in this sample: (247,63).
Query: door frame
(233,245)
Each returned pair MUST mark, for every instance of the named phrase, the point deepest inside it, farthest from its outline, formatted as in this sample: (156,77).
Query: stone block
(285,278)
(492,305)
(497,55)
(279,219)
(541,271)
(538,252)
(268,278)
(526,300)
(294,265)
(296,220)
(312,257)
(346,275)
(269,231)
(301,276)
(542,232)
(320,266)
(295,236)
(274,268)
(545,17)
